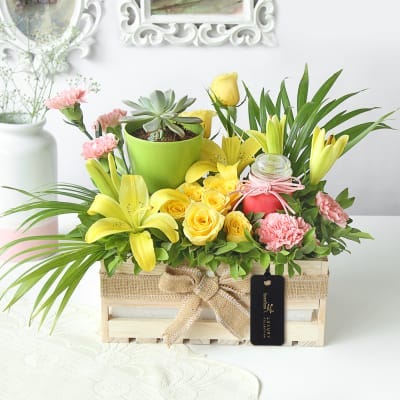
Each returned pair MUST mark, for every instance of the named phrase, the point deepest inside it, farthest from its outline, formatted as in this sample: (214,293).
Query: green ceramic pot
(162,164)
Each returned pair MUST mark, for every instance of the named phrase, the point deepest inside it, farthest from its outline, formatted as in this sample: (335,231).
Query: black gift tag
(267,310)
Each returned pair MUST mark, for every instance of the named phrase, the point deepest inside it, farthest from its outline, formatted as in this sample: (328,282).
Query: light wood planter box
(145,329)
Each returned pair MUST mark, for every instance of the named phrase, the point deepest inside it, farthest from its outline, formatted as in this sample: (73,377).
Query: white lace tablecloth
(72,364)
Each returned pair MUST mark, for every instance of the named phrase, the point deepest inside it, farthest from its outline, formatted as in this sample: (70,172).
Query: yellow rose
(217,182)
(202,223)
(225,89)
(206,116)
(235,225)
(216,199)
(176,208)
(192,190)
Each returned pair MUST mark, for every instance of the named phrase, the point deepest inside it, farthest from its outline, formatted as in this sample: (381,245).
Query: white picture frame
(254,25)
(80,18)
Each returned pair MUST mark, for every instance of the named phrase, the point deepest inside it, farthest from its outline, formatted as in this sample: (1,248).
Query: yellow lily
(324,153)
(233,151)
(272,140)
(206,116)
(134,214)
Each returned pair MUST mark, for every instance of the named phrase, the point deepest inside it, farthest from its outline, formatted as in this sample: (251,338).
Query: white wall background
(361,36)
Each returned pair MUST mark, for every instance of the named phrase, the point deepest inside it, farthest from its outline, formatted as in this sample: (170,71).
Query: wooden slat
(202,330)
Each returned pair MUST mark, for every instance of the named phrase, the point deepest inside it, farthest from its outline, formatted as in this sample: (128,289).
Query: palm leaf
(302,91)
(326,87)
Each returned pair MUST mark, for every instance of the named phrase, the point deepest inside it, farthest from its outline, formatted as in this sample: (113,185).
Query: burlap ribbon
(221,293)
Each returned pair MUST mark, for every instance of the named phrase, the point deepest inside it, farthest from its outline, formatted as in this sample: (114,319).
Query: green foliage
(311,111)
(159,112)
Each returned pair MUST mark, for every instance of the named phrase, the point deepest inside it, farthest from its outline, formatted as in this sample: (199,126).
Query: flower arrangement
(232,207)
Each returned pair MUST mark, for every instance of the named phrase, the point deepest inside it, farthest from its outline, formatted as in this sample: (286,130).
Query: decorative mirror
(197,22)
(38,25)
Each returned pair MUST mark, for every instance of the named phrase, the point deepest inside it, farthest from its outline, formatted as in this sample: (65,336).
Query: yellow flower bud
(206,116)
(216,200)
(192,190)
(202,223)
(225,89)
(176,208)
(235,225)
(324,153)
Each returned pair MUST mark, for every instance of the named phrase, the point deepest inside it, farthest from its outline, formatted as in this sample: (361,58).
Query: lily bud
(324,153)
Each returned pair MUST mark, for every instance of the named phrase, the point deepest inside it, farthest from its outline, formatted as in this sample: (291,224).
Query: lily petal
(231,148)
(261,139)
(106,206)
(143,250)
(247,151)
(160,197)
(163,222)
(106,227)
(100,178)
(134,198)
(210,151)
(339,146)
(198,169)
(228,172)
(115,178)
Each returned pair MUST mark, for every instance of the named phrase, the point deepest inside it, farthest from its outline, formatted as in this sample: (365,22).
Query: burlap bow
(220,292)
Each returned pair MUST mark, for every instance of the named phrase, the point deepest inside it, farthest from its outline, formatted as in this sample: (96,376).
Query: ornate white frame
(140,28)
(82,26)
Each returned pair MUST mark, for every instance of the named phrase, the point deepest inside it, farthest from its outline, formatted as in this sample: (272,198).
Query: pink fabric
(67,98)
(8,235)
(110,120)
(279,231)
(255,186)
(331,209)
(100,146)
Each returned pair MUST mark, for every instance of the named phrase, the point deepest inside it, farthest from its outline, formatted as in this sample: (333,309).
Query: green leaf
(161,254)
(281,258)
(302,91)
(279,269)
(229,246)
(286,104)
(344,200)
(244,247)
(345,116)
(265,259)
(326,87)
(234,271)
(204,259)
(253,110)
(296,266)
(356,137)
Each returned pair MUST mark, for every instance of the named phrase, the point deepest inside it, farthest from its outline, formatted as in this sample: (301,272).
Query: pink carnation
(281,230)
(67,98)
(100,146)
(110,120)
(331,209)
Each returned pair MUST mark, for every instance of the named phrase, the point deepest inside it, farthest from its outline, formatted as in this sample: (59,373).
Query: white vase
(28,161)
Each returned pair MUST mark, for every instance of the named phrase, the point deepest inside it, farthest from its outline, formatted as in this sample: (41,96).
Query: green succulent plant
(159,113)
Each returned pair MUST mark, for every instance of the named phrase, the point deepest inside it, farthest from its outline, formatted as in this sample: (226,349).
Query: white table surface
(361,359)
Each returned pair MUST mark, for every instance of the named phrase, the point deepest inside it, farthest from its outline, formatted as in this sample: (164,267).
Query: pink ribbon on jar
(255,186)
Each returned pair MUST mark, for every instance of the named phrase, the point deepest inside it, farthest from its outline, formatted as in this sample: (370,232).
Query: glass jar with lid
(266,170)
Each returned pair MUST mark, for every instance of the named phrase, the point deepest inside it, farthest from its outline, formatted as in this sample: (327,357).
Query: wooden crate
(117,328)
